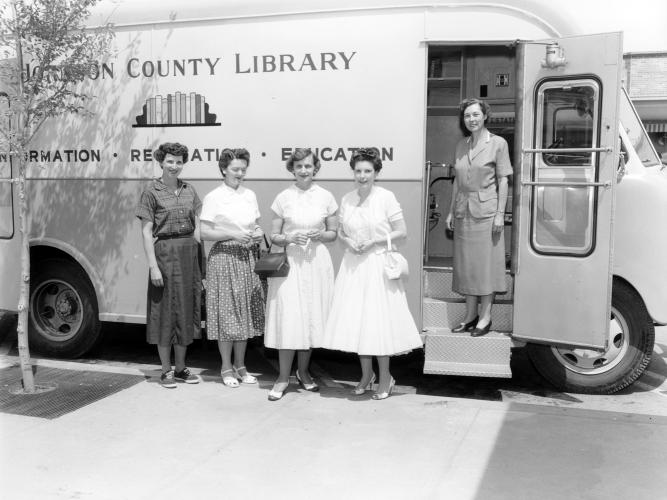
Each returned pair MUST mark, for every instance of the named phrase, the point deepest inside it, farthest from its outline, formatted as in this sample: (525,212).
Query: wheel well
(617,280)
(44,252)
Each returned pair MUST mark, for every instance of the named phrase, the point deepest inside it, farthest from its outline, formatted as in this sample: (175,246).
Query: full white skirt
(369,314)
(298,305)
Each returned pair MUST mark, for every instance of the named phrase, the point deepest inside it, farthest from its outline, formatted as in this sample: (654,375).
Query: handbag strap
(389,249)
(270,245)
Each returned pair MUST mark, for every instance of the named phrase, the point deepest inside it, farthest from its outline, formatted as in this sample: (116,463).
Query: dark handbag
(272,265)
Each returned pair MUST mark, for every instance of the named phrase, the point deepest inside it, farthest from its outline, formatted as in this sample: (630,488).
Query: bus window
(564,216)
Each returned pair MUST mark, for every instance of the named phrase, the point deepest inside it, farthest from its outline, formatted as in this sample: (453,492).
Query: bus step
(438,313)
(449,353)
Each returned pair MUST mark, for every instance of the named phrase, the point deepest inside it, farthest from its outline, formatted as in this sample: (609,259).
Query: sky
(643,22)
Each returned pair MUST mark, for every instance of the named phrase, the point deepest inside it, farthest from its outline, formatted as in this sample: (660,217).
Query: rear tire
(63,320)
(630,346)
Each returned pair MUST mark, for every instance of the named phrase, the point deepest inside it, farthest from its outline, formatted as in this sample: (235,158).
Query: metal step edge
(440,331)
(462,301)
(468,369)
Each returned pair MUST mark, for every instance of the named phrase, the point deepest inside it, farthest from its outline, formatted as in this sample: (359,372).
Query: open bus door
(567,140)
(10,237)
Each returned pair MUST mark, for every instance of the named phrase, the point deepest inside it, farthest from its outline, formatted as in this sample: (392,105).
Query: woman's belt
(161,237)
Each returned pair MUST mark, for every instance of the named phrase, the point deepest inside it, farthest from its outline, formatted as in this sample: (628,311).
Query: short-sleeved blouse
(236,205)
(304,210)
(477,171)
(376,214)
(172,214)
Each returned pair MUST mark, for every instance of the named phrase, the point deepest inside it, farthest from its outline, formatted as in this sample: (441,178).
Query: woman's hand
(244,238)
(257,235)
(297,237)
(449,222)
(156,276)
(315,235)
(364,246)
(498,222)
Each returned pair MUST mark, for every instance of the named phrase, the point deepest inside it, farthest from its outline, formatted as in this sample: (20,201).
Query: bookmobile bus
(585,226)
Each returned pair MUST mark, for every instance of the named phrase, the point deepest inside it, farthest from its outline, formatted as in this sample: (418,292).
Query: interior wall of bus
(456,72)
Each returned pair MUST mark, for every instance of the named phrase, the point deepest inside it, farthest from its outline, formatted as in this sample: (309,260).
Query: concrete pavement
(211,441)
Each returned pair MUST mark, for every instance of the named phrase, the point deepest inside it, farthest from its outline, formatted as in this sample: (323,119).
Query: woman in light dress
(234,293)
(298,305)
(370,314)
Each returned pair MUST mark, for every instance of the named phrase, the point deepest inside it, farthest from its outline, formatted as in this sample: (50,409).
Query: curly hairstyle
(171,148)
(228,155)
(466,103)
(367,154)
(301,154)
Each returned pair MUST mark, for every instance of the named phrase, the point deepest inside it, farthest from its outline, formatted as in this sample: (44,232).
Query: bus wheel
(630,345)
(63,320)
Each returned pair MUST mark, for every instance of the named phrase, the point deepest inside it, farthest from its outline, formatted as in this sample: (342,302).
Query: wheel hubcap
(56,309)
(592,362)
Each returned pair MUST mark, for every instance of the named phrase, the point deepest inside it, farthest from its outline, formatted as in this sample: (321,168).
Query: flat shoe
(247,378)
(229,380)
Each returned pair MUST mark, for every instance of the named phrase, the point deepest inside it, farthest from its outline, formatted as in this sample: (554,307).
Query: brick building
(646,82)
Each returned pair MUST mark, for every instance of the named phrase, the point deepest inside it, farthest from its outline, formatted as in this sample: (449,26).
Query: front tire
(63,320)
(587,371)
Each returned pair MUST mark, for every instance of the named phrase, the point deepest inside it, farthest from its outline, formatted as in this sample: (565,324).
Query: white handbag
(395,265)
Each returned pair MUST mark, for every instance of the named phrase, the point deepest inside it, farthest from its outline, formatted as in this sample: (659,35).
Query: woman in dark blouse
(169,212)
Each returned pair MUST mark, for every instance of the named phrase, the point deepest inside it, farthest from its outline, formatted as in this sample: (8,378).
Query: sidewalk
(211,441)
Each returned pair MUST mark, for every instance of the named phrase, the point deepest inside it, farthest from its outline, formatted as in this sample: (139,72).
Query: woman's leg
(485,310)
(164,351)
(179,357)
(366,369)
(285,360)
(385,375)
(239,354)
(471,308)
(225,347)
(303,360)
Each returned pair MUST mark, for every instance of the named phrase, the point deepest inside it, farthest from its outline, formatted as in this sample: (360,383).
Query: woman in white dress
(298,305)
(370,314)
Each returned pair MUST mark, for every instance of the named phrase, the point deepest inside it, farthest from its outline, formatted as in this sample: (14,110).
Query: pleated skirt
(369,314)
(479,257)
(174,310)
(235,296)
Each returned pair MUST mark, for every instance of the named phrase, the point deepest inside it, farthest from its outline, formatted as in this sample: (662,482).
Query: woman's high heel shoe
(359,390)
(384,395)
(275,394)
(312,387)
(478,332)
(465,327)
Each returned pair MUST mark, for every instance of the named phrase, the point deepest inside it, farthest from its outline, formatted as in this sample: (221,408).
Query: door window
(563,213)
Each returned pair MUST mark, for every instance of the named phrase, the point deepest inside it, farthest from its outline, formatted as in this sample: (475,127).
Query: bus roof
(144,12)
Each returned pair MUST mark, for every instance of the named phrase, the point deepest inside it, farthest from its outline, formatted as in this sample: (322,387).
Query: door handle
(606,184)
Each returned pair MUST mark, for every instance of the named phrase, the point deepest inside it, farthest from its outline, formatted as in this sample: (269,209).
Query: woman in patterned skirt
(298,305)
(234,294)
(168,210)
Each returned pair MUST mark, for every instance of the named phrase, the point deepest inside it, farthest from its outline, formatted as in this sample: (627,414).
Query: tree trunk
(24,297)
